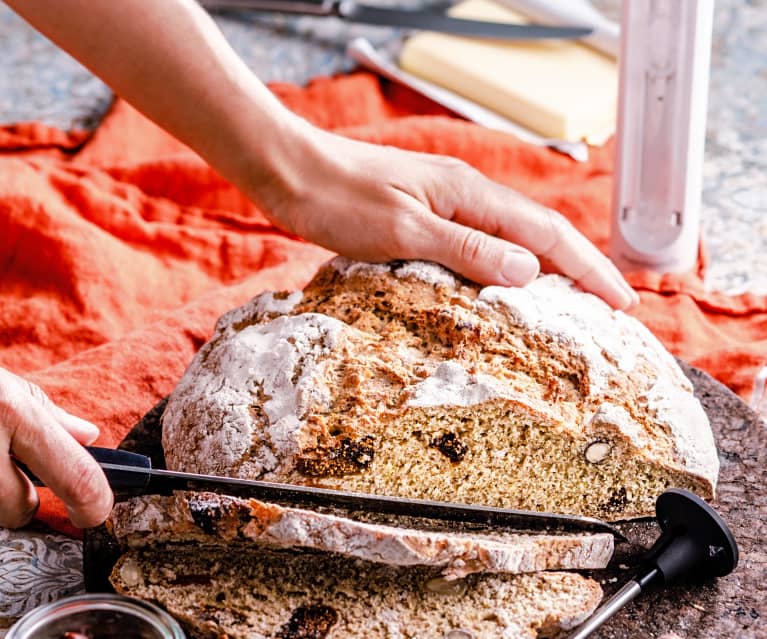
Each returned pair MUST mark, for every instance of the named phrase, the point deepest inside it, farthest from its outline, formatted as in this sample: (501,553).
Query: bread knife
(405,18)
(132,474)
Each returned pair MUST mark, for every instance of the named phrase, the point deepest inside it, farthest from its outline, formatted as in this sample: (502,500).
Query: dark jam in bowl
(96,617)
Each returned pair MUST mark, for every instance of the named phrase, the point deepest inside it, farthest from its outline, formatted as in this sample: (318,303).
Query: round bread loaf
(405,379)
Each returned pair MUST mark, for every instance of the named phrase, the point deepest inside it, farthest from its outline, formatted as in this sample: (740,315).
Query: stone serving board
(733,606)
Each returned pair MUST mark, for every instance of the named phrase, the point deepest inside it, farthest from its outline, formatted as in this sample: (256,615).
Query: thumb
(477,256)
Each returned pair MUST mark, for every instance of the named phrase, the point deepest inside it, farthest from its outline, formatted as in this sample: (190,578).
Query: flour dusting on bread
(406,379)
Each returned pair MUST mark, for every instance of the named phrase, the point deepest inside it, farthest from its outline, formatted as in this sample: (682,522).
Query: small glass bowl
(96,616)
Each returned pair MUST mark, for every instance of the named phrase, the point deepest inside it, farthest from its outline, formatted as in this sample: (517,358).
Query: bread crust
(319,386)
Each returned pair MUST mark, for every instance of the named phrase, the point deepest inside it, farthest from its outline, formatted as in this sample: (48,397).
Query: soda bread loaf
(404,379)
(211,519)
(226,594)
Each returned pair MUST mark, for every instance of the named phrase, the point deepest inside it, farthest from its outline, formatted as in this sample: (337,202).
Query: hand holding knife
(404,18)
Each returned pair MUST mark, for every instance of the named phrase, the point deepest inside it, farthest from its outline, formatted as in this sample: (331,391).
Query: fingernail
(84,429)
(519,268)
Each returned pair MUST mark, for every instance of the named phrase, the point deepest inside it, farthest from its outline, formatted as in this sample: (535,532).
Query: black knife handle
(121,482)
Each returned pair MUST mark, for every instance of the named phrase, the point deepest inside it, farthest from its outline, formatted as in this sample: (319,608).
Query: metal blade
(166,480)
(409,19)
(427,20)
(305,7)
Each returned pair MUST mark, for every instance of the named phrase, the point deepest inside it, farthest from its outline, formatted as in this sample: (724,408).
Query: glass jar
(96,616)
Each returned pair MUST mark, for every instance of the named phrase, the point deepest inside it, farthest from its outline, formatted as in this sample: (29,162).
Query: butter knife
(405,18)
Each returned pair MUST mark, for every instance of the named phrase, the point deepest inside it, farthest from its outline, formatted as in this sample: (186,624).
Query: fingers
(39,435)
(551,236)
(472,200)
(573,255)
(563,249)
(475,255)
(83,431)
(63,465)
(18,497)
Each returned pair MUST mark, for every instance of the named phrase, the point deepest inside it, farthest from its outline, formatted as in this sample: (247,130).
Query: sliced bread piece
(226,594)
(209,518)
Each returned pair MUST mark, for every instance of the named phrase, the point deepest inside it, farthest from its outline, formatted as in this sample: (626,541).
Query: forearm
(169,60)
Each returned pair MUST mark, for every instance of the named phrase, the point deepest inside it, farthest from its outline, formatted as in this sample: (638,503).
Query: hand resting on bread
(365,201)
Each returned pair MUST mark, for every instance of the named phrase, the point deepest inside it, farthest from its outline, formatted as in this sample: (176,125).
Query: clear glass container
(96,616)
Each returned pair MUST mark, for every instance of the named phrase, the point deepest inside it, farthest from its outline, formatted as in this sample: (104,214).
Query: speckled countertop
(38,82)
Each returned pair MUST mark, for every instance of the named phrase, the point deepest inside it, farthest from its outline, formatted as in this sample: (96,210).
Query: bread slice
(404,379)
(209,518)
(226,594)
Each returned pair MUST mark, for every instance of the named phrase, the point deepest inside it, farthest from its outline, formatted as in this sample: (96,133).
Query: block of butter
(557,88)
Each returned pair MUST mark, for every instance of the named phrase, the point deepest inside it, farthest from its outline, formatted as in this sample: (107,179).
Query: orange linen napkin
(119,251)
